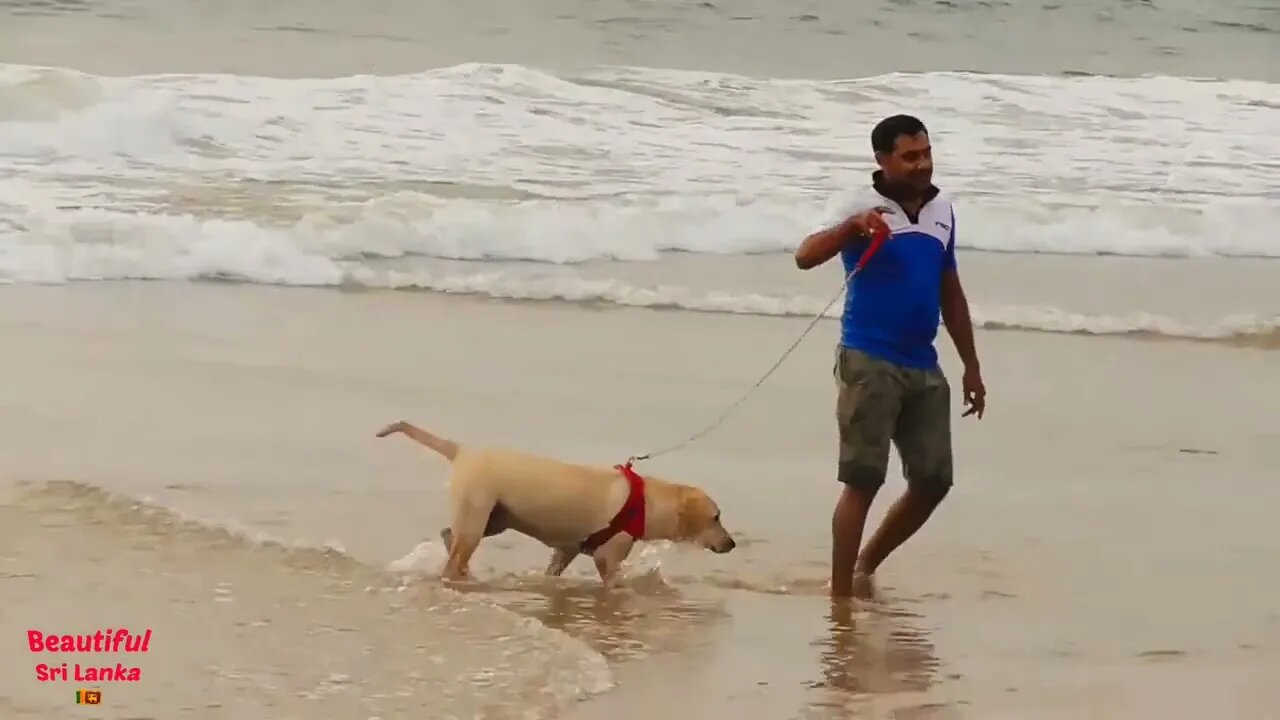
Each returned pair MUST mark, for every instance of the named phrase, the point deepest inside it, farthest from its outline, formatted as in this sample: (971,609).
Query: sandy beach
(237,239)
(179,457)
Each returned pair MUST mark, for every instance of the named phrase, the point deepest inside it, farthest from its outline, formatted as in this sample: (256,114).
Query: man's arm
(955,315)
(955,306)
(825,244)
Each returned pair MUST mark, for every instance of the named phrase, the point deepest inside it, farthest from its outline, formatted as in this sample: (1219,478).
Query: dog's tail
(447,448)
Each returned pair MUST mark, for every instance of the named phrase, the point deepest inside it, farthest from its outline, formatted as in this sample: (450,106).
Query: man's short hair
(886,132)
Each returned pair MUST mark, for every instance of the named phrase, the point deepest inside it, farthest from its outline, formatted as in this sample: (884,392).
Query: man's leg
(847,524)
(869,392)
(923,438)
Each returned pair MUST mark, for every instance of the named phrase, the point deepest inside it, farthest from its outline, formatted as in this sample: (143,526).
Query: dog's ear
(691,513)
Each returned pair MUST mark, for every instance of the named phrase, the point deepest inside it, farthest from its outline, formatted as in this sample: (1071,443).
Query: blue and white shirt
(893,307)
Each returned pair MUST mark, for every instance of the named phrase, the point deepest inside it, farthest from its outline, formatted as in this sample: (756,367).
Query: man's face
(911,162)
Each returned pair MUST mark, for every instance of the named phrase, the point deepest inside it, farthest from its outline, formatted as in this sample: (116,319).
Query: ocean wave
(352,181)
(112,247)
(617,163)
(323,246)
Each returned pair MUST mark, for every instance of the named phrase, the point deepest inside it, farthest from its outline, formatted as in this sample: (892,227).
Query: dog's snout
(725,546)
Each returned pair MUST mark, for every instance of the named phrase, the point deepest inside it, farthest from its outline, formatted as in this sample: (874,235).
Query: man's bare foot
(864,587)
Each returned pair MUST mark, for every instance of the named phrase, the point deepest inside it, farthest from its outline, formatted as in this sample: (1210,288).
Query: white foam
(1009,316)
(45,243)
(100,245)
(425,557)
(622,163)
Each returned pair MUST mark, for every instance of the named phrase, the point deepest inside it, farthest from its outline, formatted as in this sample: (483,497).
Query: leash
(876,241)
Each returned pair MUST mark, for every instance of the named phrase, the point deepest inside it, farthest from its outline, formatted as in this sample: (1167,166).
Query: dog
(572,509)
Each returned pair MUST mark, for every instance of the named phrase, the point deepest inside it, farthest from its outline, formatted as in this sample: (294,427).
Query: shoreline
(1267,340)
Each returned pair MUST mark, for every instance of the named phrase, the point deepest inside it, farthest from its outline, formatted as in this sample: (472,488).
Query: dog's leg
(609,558)
(499,522)
(470,516)
(560,560)
(456,567)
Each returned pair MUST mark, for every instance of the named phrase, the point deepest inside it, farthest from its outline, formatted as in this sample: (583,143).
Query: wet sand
(1106,552)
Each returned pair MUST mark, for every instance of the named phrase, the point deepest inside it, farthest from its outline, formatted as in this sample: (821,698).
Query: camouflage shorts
(880,402)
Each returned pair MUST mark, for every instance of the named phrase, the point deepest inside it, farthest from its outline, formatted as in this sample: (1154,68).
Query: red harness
(630,519)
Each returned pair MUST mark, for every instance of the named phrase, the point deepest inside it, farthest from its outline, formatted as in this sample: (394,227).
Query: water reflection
(620,624)
(874,652)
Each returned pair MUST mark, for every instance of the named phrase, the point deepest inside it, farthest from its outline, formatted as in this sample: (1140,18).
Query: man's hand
(823,245)
(869,223)
(975,393)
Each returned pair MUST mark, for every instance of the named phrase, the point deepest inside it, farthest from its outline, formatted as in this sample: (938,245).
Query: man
(890,386)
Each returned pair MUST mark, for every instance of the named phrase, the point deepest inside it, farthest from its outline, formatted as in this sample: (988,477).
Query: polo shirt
(892,308)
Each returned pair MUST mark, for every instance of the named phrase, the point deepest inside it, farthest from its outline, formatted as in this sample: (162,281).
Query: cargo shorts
(879,402)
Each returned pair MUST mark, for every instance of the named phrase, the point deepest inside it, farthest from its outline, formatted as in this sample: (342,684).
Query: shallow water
(1061,568)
